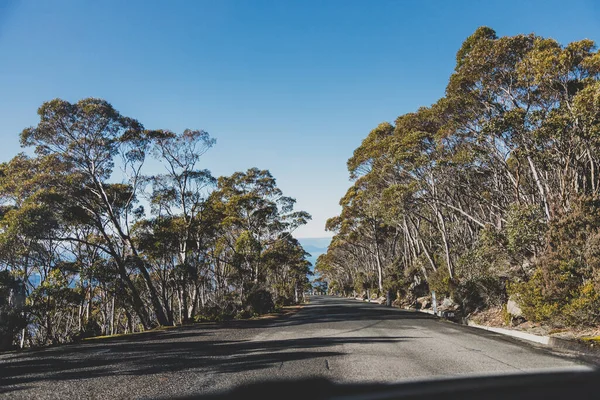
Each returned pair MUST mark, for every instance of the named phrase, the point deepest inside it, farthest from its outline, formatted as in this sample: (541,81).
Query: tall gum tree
(88,136)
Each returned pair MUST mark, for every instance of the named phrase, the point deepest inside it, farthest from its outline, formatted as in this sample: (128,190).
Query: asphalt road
(343,340)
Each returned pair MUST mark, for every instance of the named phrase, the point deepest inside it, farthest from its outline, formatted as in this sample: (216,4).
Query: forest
(490,194)
(92,243)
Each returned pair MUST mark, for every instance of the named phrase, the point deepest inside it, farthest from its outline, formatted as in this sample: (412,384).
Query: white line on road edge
(545,340)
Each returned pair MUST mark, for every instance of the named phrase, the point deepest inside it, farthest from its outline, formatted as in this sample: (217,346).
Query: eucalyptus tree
(256,215)
(96,262)
(480,182)
(86,137)
(287,269)
(179,196)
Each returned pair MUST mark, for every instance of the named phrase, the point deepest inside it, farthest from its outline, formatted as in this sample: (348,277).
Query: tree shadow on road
(205,348)
(171,354)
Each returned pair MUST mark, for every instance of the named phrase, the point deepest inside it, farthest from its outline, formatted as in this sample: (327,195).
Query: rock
(512,307)
(404,303)
(448,304)
(424,302)
(380,300)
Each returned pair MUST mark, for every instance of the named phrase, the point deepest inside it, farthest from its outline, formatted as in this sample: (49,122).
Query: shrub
(440,282)
(260,301)
(479,293)
(584,309)
(283,301)
(563,289)
(217,312)
(533,300)
(524,230)
(581,307)
(244,314)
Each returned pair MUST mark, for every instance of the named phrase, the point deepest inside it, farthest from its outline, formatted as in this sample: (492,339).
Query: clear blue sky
(292,86)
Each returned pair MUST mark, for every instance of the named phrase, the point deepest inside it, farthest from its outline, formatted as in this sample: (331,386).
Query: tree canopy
(481,196)
(101,247)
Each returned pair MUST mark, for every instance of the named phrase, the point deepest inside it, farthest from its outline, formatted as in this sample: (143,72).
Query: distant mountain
(315,246)
(321,242)
(314,249)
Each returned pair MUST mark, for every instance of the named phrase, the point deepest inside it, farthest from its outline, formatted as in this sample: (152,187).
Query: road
(343,340)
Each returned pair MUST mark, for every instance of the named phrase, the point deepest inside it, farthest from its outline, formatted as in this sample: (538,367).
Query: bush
(90,329)
(216,313)
(525,230)
(476,294)
(260,301)
(533,300)
(584,309)
(580,308)
(563,289)
(283,301)
(244,314)
(440,282)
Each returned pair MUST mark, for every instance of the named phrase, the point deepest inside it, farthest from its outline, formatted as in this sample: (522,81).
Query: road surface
(343,340)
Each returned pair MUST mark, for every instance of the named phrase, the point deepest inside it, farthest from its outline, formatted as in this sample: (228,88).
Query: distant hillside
(315,246)
(320,243)
(314,249)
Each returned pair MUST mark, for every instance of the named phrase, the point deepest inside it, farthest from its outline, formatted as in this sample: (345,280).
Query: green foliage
(482,33)
(535,303)
(105,265)
(480,293)
(584,308)
(563,289)
(495,182)
(259,301)
(506,317)
(525,230)
(217,314)
(440,282)
(557,295)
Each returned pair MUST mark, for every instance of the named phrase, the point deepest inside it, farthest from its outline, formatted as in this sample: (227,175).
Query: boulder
(448,304)
(513,308)
(424,302)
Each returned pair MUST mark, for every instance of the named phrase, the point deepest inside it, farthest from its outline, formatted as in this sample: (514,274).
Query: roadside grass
(591,340)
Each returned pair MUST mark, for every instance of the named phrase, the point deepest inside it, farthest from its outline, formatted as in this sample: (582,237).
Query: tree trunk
(112,317)
(184,303)
(540,187)
(158,308)
(378,259)
(136,300)
(194,302)
(446,244)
